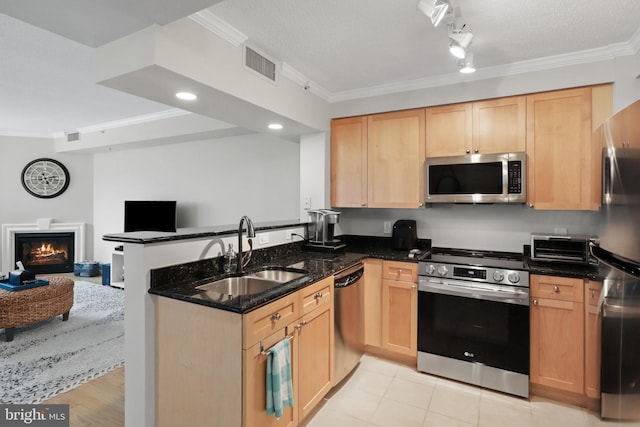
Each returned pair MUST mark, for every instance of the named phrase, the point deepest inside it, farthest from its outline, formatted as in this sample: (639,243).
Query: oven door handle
(516,296)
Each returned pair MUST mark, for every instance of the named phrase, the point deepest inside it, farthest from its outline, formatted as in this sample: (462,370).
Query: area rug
(50,357)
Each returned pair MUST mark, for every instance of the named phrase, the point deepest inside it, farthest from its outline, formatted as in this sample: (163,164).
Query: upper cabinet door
(395,155)
(559,149)
(349,162)
(500,125)
(449,130)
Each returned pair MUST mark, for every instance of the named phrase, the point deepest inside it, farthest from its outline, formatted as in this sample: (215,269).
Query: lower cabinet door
(254,387)
(400,317)
(314,338)
(557,344)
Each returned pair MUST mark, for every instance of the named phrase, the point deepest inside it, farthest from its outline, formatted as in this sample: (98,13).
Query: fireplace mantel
(42,225)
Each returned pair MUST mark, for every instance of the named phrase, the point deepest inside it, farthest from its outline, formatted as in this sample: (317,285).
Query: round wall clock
(45,178)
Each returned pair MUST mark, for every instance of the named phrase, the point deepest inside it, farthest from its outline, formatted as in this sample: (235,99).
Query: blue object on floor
(86,269)
(106,274)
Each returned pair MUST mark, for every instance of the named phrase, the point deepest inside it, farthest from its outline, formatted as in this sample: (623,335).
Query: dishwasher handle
(348,276)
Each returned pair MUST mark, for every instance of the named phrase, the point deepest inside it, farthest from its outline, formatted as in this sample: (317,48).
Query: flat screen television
(150,215)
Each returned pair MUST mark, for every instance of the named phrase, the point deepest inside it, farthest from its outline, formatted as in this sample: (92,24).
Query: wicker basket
(33,305)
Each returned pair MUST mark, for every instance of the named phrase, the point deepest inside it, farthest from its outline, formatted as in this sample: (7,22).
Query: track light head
(466,65)
(434,10)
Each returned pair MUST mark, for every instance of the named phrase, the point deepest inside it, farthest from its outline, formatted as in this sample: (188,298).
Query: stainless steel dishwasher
(348,320)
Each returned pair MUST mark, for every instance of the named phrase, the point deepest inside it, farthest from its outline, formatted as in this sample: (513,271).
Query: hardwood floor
(98,403)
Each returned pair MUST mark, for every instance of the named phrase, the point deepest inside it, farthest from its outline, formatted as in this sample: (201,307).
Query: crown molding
(18,134)
(161,115)
(297,77)
(557,61)
(213,23)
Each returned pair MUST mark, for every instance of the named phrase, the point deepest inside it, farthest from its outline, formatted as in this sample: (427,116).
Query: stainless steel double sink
(248,283)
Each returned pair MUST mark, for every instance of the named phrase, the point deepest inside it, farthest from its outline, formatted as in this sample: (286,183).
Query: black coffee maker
(405,235)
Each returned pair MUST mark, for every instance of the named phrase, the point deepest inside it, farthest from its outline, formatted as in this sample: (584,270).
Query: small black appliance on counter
(405,235)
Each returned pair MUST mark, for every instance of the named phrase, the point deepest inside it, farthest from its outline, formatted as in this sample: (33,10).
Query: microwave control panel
(515,177)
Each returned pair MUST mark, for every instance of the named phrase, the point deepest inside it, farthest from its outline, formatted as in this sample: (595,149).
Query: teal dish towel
(279,385)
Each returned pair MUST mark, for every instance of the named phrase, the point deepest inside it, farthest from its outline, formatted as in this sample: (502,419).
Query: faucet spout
(251,234)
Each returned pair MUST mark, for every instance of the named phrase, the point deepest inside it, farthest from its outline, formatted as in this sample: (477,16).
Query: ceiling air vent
(73,136)
(259,64)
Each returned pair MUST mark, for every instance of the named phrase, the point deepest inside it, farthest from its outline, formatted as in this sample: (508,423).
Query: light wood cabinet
(557,333)
(211,361)
(349,162)
(563,160)
(400,307)
(592,339)
(449,130)
(500,125)
(373,302)
(395,159)
(482,127)
(314,335)
(254,363)
(378,161)
(311,357)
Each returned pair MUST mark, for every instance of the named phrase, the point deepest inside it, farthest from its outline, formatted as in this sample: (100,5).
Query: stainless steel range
(473,318)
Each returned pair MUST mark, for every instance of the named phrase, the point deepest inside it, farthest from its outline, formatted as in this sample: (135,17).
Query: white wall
(215,182)
(19,207)
(491,227)
(314,172)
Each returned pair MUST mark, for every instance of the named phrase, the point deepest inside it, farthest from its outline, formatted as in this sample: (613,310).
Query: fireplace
(45,252)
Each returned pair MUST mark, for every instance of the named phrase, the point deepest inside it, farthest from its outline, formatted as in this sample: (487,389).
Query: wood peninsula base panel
(198,365)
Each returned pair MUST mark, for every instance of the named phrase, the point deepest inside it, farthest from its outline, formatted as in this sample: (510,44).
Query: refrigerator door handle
(616,261)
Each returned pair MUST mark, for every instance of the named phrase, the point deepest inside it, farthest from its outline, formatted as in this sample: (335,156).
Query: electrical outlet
(263,238)
(562,231)
(387,227)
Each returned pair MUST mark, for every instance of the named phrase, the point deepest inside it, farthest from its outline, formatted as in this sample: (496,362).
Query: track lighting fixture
(434,9)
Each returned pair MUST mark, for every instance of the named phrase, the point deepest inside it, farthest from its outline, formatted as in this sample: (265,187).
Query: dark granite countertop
(145,237)
(179,281)
(591,272)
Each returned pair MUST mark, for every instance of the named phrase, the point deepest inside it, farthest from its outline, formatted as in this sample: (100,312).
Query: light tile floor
(384,394)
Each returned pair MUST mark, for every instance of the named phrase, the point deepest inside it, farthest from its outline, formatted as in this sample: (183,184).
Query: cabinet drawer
(400,271)
(592,293)
(266,320)
(316,295)
(557,288)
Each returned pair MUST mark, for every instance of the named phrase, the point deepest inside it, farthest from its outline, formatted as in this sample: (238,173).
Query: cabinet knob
(468,151)
(300,325)
(476,150)
(275,316)
(421,205)
(363,204)
(593,293)
(556,289)
(318,295)
(413,286)
(531,205)
(535,302)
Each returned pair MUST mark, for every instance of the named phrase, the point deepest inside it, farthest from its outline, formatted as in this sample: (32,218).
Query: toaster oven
(567,249)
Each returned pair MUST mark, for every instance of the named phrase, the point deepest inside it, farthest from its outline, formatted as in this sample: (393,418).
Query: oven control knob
(443,270)
(514,277)
(498,276)
(431,269)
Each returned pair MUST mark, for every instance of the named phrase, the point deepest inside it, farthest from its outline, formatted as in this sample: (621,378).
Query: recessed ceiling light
(275,126)
(186,96)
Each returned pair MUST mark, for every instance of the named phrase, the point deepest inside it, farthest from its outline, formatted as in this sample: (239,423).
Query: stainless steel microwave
(477,178)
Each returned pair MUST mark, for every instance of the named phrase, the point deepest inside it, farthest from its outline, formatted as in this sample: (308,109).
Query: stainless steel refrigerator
(619,248)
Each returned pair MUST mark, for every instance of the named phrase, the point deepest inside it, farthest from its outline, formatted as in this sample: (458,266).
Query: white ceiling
(345,48)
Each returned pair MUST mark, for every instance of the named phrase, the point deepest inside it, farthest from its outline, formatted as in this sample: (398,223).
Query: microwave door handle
(559,237)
